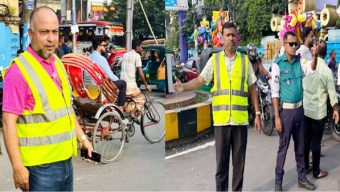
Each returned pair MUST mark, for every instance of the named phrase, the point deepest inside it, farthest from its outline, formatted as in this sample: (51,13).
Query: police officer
(287,74)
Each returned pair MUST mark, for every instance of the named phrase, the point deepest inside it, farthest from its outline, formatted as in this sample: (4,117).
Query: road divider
(187,121)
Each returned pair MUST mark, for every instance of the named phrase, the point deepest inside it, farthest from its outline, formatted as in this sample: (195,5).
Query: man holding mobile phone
(39,124)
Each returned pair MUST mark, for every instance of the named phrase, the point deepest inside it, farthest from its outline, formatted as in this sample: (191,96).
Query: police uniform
(287,87)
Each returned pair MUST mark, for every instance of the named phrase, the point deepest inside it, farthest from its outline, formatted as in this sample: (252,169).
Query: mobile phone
(95,156)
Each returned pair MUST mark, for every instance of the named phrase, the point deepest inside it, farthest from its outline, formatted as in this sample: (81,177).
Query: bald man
(40,128)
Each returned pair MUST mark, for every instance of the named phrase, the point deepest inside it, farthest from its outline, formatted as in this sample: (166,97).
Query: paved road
(139,167)
(195,171)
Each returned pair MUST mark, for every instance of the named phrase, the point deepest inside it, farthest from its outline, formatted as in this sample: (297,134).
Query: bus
(90,29)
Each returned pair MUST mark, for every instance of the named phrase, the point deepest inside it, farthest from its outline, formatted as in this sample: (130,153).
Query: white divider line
(212,143)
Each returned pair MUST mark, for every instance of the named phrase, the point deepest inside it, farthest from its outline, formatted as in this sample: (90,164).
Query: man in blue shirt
(99,47)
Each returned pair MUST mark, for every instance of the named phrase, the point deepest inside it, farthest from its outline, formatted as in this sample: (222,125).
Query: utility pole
(27,9)
(183,44)
(63,11)
(74,27)
(129,20)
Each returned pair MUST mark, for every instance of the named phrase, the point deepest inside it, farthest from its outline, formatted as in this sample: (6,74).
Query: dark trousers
(122,91)
(228,138)
(292,125)
(314,132)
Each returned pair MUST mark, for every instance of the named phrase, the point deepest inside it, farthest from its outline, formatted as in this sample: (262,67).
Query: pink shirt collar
(36,56)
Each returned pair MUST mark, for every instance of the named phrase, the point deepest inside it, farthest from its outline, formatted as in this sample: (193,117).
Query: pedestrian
(316,89)
(59,51)
(304,51)
(66,46)
(39,124)
(234,79)
(332,63)
(287,74)
(132,64)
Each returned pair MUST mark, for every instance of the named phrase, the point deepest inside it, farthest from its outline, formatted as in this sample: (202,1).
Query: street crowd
(301,84)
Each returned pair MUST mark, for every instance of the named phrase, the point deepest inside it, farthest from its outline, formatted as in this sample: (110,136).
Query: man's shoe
(278,187)
(306,184)
(322,174)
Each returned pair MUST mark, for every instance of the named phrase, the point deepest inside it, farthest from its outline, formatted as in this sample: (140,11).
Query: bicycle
(113,125)
(106,126)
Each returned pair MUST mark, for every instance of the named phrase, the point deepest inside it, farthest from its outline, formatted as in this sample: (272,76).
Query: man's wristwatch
(82,138)
(258,113)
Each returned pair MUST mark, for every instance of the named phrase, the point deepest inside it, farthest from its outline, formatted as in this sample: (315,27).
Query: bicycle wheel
(109,136)
(152,121)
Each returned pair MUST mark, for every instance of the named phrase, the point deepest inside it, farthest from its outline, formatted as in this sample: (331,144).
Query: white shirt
(131,60)
(305,53)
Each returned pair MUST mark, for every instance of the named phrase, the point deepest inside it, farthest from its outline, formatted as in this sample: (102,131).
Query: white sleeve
(306,66)
(207,72)
(275,80)
(138,60)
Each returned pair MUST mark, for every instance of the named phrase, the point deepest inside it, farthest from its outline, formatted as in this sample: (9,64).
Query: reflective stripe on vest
(47,134)
(47,117)
(47,140)
(230,97)
(230,92)
(227,107)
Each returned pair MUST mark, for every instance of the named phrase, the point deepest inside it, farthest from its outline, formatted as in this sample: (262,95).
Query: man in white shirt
(130,63)
(304,51)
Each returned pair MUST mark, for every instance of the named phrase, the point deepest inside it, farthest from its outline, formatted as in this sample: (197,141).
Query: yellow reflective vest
(47,133)
(230,94)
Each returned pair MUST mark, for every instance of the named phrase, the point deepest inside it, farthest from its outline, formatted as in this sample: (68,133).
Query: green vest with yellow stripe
(47,133)
(230,94)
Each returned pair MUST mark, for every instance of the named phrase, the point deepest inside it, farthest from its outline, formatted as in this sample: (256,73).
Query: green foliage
(337,25)
(173,37)
(251,16)
(154,11)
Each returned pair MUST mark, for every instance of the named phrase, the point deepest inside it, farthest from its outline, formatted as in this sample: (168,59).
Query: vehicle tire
(153,122)
(267,120)
(108,136)
(335,129)
(130,130)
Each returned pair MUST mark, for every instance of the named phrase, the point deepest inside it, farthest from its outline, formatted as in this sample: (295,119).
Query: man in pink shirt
(19,103)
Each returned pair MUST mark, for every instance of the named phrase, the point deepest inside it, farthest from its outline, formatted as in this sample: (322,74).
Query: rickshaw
(106,126)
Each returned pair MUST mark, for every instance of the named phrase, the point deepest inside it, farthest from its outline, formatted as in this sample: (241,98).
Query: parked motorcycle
(334,128)
(265,104)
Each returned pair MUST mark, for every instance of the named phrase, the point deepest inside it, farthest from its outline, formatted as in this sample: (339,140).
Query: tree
(116,11)
(173,38)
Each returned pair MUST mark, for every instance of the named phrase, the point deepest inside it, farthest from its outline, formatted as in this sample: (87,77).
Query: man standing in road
(316,88)
(234,79)
(287,74)
(40,127)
